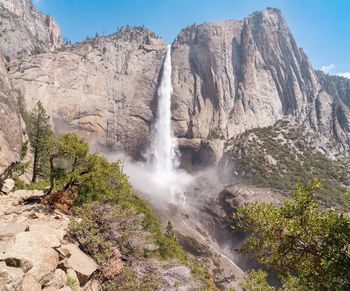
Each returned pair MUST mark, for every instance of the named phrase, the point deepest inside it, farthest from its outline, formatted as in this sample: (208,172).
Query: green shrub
(307,246)
(19,184)
(128,279)
(72,283)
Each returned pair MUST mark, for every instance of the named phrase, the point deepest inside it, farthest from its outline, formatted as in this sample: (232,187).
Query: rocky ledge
(34,254)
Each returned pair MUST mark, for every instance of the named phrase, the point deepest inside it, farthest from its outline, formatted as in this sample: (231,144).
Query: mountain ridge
(228,76)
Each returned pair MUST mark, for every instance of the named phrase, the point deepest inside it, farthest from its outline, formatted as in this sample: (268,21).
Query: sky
(320,27)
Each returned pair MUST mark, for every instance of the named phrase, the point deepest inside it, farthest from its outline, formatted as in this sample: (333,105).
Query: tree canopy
(308,247)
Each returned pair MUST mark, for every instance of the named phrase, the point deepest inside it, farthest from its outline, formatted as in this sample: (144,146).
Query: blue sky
(320,27)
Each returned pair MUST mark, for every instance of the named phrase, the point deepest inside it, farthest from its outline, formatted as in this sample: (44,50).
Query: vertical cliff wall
(231,75)
(10,121)
(104,89)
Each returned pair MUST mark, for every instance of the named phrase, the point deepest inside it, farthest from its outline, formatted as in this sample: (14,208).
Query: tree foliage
(169,231)
(39,131)
(308,247)
(256,280)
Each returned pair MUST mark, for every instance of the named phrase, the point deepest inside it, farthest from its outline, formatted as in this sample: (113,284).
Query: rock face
(7,186)
(10,122)
(230,76)
(103,88)
(33,252)
(25,30)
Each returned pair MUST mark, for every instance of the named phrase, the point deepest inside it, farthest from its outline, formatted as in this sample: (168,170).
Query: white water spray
(162,155)
(159,175)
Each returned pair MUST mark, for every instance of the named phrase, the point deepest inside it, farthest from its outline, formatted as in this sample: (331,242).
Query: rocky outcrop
(336,86)
(230,76)
(10,123)
(104,88)
(33,252)
(199,243)
(25,30)
(7,186)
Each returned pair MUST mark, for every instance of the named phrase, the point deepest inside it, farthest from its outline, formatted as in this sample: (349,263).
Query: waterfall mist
(162,155)
(159,175)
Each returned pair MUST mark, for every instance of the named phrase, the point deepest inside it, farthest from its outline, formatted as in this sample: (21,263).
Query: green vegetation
(309,248)
(111,213)
(256,280)
(128,279)
(280,156)
(169,231)
(112,216)
(72,283)
(39,131)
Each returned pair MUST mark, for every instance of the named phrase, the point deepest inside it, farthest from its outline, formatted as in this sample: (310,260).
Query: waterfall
(159,175)
(162,155)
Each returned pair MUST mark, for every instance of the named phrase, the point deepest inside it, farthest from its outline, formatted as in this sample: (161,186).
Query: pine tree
(169,231)
(39,131)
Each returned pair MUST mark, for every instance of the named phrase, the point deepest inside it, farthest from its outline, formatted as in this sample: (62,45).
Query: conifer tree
(169,231)
(39,131)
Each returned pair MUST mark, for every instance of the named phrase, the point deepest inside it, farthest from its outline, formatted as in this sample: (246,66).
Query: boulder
(10,277)
(92,285)
(33,252)
(30,284)
(59,279)
(81,263)
(7,186)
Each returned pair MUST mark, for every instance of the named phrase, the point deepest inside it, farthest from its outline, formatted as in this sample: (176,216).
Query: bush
(308,247)
(128,279)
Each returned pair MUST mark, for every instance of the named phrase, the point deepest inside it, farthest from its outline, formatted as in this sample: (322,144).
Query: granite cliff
(10,123)
(25,30)
(101,88)
(228,76)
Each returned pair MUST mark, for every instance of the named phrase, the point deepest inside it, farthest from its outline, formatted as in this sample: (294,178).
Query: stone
(92,285)
(33,252)
(10,123)
(130,83)
(7,186)
(229,76)
(25,194)
(59,279)
(30,284)
(81,263)
(10,277)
